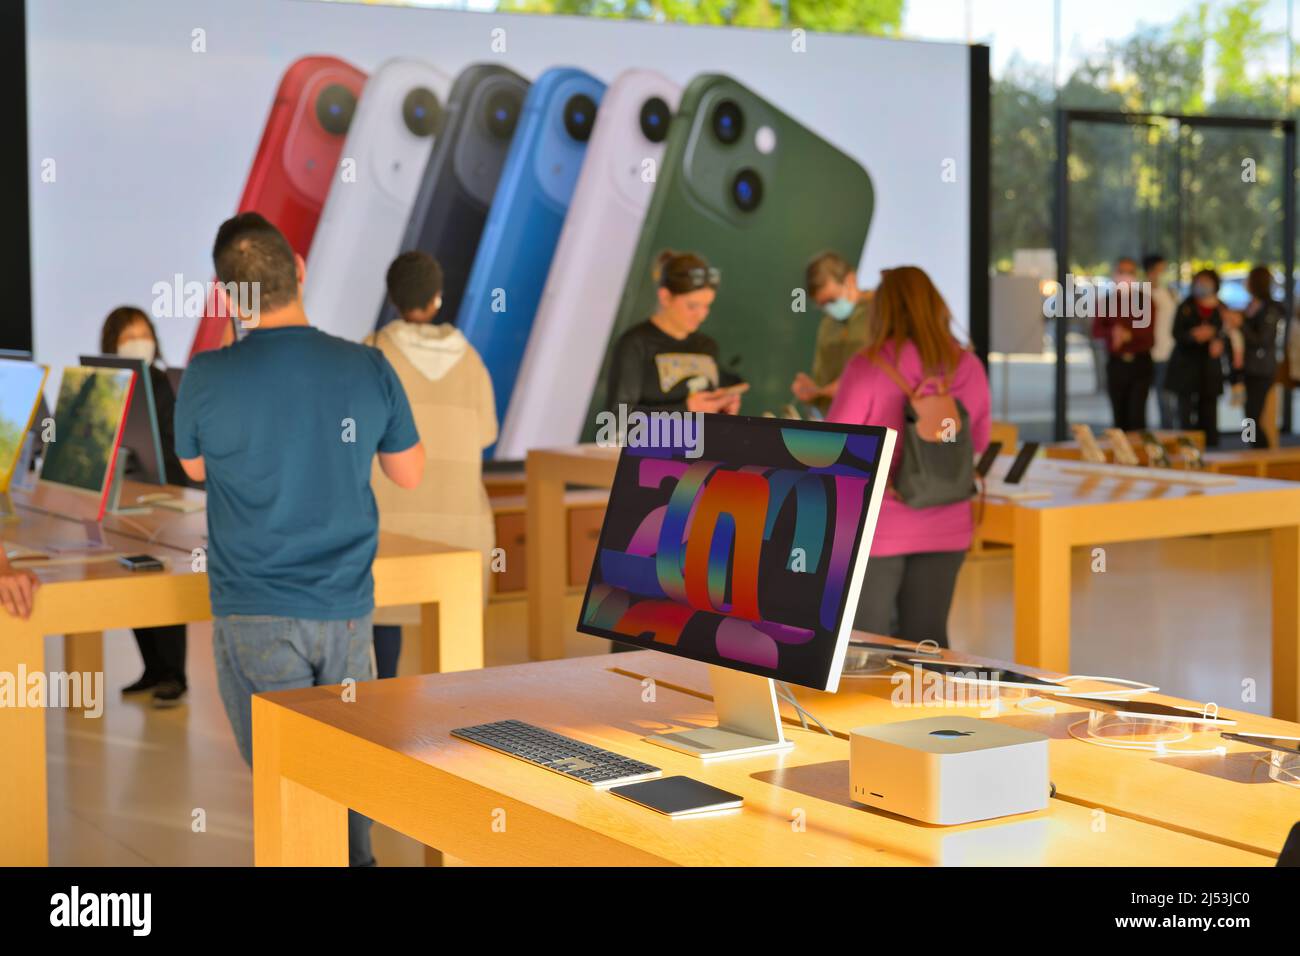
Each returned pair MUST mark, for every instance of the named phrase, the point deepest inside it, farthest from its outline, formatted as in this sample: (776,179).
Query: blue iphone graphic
(509,272)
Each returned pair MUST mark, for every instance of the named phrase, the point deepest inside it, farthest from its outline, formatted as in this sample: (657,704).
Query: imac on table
(744,547)
(20,396)
(78,469)
(141,438)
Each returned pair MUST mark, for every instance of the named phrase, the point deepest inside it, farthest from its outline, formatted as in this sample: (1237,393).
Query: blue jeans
(257,653)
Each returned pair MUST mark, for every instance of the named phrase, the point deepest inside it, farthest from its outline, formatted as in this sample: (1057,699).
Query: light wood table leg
(1286,623)
(24,824)
(546,533)
(292,824)
(451,630)
(1041,580)
(83,653)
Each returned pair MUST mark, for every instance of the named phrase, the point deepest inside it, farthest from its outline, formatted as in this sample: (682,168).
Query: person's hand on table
(804,388)
(17,589)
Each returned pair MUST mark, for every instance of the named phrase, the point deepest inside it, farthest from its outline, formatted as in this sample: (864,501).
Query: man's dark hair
(414,279)
(251,250)
(1151,260)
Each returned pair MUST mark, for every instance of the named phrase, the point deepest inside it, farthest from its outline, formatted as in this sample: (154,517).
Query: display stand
(114,505)
(1284,767)
(24,477)
(1128,732)
(749,721)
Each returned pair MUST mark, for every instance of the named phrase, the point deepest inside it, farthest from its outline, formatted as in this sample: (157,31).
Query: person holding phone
(916,552)
(666,363)
(832,286)
(1196,364)
(128,332)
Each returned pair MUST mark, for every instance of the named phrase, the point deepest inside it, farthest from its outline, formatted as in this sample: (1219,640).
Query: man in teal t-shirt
(284,427)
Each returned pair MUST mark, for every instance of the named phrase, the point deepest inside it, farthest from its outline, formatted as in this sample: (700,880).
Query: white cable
(789,697)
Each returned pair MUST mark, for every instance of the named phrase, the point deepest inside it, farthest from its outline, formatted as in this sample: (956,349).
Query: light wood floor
(1191,615)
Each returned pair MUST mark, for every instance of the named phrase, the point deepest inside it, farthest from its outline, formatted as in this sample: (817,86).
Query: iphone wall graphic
(460,180)
(758,194)
(378,175)
(571,330)
(295,161)
(514,256)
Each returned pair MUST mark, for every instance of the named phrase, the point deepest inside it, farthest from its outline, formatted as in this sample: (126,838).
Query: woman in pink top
(916,552)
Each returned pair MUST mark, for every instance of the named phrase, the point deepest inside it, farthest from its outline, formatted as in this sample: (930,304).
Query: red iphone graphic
(295,161)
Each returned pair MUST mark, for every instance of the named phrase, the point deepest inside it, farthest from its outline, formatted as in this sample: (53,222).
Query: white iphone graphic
(370,199)
(571,330)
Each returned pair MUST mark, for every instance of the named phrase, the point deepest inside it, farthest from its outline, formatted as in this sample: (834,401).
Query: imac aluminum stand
(115,505)
(749,721)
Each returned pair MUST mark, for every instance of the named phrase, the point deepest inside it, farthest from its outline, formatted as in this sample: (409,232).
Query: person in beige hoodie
(450,393)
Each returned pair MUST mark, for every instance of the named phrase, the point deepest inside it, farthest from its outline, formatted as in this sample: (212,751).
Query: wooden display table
(82,600)
(1088,511)
(1280,463)
(1070,451)
(549,470)
(1227,797)
(389,754)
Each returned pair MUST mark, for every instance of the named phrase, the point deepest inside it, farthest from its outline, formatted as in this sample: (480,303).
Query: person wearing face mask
(665,363)
(1196,365)
(1124,324)
(832,285)
(450,393)
(129,333)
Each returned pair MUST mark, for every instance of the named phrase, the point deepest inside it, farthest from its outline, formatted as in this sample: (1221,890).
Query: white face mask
(138,349)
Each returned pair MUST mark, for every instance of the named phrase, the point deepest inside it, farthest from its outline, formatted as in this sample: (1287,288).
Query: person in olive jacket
(1259,323)
(1196,366)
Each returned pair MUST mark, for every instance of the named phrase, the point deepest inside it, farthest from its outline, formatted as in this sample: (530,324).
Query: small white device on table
(949,770)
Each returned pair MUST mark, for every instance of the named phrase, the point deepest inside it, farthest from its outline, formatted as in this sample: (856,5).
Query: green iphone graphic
(758,195)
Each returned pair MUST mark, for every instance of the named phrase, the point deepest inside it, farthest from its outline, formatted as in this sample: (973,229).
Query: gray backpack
(937,460)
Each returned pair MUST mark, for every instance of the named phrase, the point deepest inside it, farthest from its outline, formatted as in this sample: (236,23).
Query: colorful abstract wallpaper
(742,556)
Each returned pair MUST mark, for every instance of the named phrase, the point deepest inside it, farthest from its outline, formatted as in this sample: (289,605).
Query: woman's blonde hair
(908,308)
